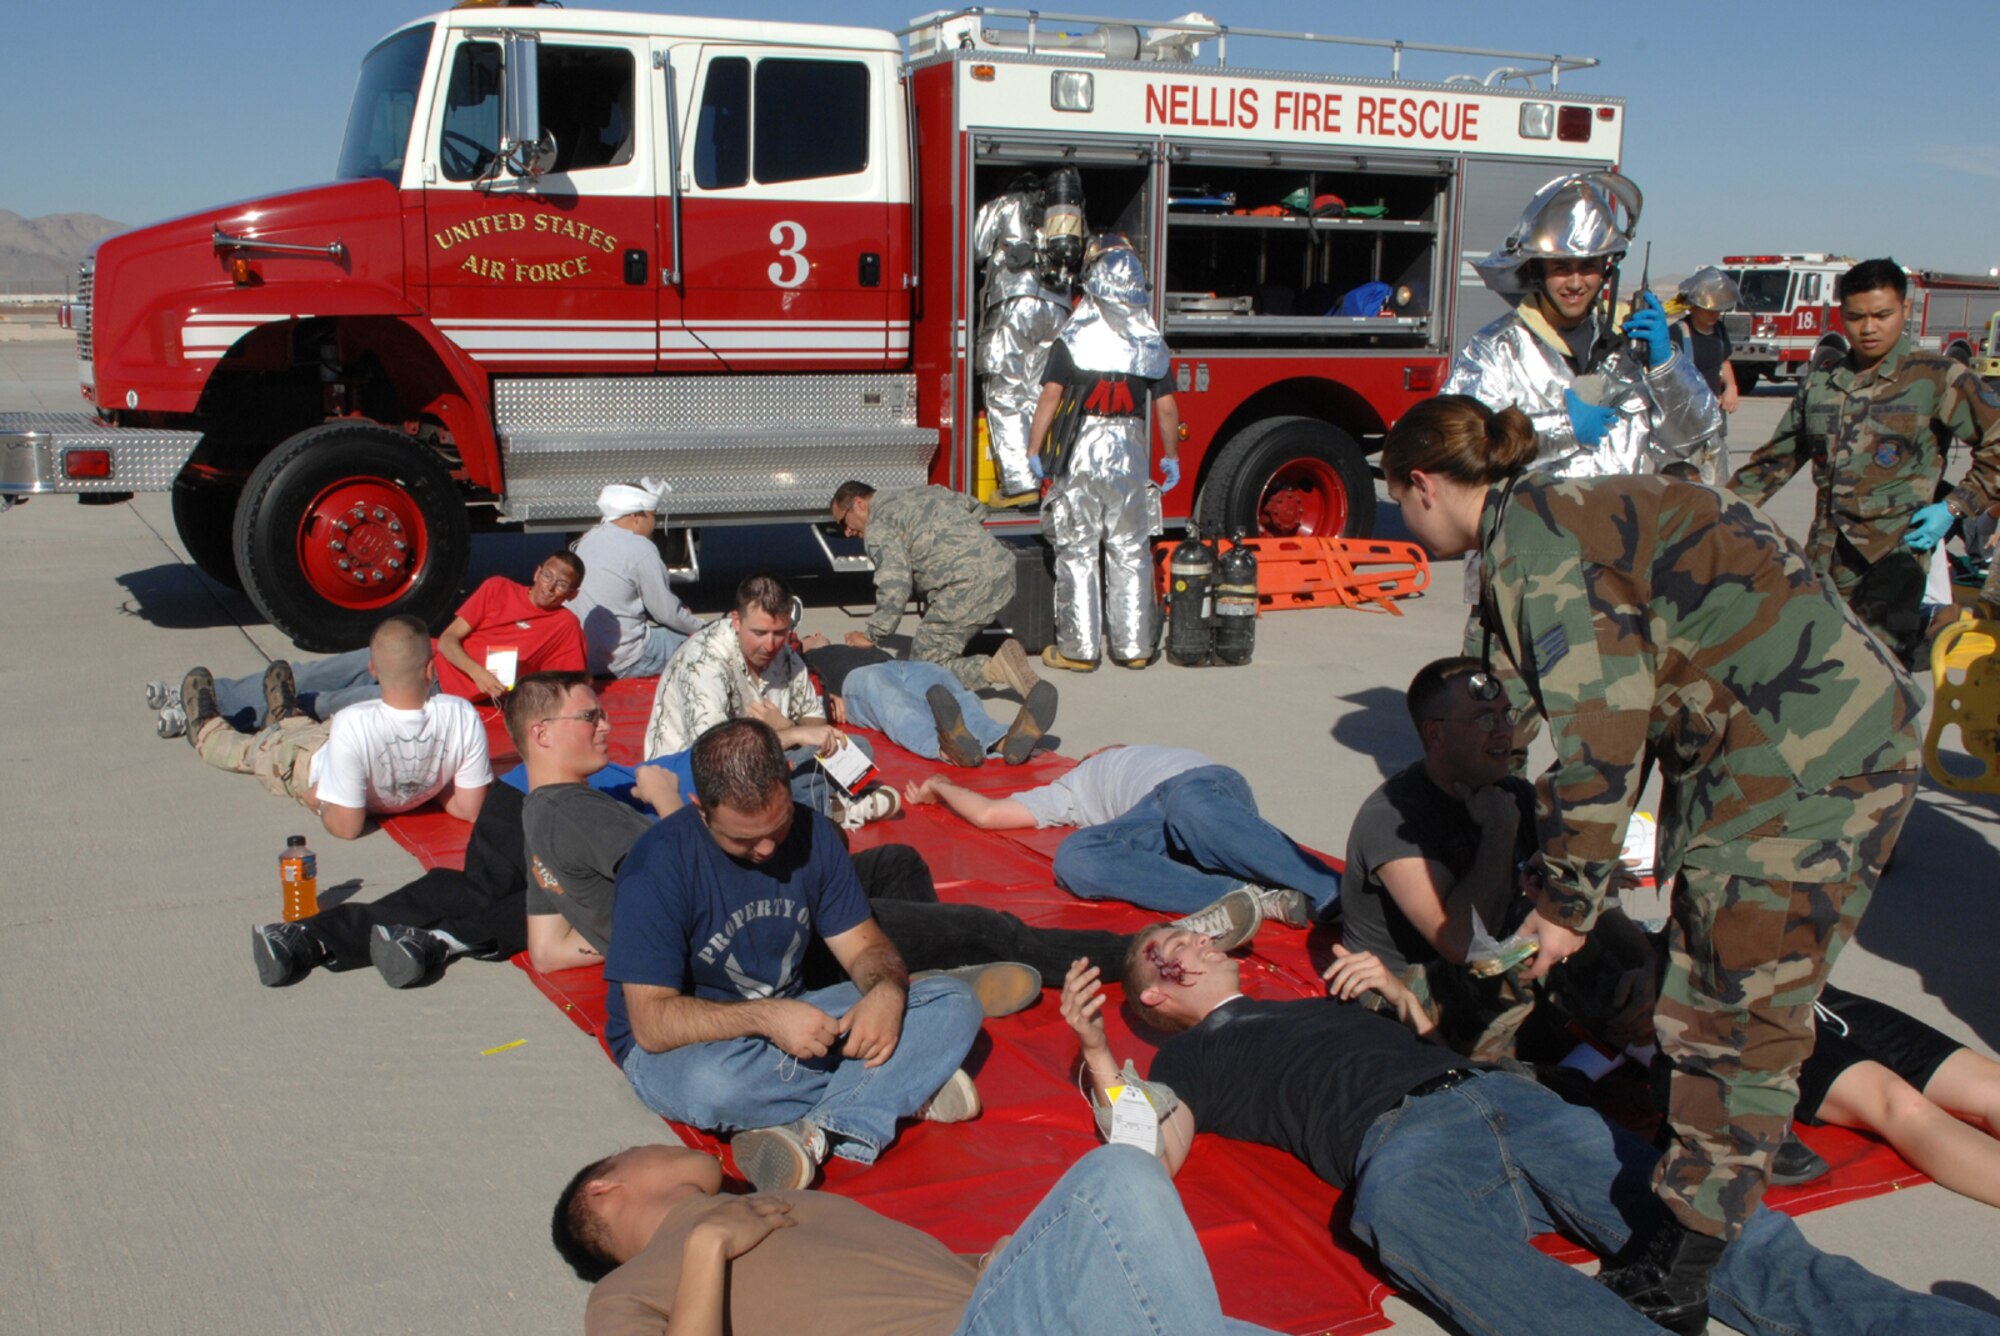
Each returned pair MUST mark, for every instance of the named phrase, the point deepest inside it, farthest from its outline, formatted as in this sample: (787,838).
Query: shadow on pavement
(1378,727)
(180,598)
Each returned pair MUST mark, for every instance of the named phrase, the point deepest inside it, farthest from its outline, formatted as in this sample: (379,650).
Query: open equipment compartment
(1235,273)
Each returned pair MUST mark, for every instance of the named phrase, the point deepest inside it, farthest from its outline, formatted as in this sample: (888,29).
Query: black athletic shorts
(1859,1029)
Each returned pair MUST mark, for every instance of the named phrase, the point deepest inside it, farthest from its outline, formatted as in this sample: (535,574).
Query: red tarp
(1266,1224)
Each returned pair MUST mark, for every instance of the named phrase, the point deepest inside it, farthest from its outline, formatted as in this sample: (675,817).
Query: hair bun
(1510,442)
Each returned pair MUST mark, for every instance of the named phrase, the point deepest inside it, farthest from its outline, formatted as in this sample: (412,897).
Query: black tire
(1318,456)
(205,517)
(1960,353)
(1746,377)
(388,490)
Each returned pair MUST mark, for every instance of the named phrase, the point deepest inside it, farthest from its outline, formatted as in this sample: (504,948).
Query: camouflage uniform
(280,755)
(930,538)
(1877,441)
(1654,620)
(708,681)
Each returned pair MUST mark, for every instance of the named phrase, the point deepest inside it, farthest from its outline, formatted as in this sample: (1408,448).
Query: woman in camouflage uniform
(1657,622)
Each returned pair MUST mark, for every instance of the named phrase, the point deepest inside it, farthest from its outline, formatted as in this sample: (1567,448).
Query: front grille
(85,276)
(1736,324)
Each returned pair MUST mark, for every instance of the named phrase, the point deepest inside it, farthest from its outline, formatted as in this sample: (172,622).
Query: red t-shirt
(502,617)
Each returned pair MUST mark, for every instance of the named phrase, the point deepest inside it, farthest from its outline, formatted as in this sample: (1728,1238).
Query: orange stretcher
(1312,572)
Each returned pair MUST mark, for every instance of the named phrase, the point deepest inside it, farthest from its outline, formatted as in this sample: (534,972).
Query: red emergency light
(1752,259)
(86,463)
(1420,378)
(1573,125)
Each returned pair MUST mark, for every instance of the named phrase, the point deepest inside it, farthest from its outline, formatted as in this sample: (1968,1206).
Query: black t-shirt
(1411,817)
(577,837)
(1306,1076)
(1709,352)
(1106,394)
(832,663)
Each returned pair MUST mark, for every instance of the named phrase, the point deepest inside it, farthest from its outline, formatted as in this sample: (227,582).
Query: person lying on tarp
(1162,827)
(1419,1137)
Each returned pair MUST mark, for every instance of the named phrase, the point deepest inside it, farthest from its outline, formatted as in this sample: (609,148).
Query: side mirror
(526,149)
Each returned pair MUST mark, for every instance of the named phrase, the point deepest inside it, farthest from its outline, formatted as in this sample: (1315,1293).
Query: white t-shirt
(1107,785)
(386,760)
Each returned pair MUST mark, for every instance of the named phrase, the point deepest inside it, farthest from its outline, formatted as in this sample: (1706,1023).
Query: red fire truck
(566,247)
(1788,313)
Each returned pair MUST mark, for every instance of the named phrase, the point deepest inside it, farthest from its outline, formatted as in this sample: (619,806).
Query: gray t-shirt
(576,837)
(1107,785)
(624,585)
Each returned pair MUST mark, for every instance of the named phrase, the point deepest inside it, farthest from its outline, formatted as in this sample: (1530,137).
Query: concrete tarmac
(189,1151)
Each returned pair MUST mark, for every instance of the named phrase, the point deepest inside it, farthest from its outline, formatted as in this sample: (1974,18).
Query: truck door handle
(871,270)
(636,271)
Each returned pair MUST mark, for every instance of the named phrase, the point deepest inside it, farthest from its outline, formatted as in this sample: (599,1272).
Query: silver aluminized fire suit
(1104,498)
(1022,316)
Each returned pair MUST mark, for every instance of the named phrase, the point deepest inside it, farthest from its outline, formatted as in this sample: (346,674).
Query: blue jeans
(731,1085)
(322,686)
(652,661)
(1192,838)
(1108,1251)
(889,697)
(1453,1186)
(810,784)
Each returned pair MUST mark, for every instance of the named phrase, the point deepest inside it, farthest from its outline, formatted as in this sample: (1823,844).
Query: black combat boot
(1663,1273)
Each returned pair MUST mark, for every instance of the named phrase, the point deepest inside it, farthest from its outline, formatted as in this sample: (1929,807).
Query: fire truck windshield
(1763,289)
(378,125)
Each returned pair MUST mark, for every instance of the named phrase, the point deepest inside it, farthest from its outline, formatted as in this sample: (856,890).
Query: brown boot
(1008,667)
(1033,720)
(955,741)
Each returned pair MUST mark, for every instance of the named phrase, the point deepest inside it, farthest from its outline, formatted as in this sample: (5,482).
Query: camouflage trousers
(953,616)
(1755,925)
(280,756)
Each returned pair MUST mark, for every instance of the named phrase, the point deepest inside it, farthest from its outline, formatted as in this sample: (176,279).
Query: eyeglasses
(593,717)
(561,584)
(1486,721)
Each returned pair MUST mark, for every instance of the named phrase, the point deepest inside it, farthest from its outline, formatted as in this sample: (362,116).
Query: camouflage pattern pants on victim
(1755,926)
(280,756)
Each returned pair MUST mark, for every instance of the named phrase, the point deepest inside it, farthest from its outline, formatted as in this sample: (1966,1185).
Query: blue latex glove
(1170,475)
(1590,422)
(1648,324)
(1929,526)
(1035,465)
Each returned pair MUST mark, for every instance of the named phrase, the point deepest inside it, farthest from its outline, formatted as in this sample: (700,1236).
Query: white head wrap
(619,499)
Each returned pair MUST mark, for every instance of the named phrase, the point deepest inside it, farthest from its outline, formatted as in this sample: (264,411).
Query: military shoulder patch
(1887,456)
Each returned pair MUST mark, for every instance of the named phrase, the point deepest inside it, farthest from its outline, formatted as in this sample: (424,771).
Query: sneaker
(878,804)
(1796,1163)
(197,702)
(1283,905)
(405,957)
(956,1101)
(1009,667)
(159,694)
(955,741)
(285,951)
(779,1159)
(1230,921)
(1054,658)
(281,697)
(171,723)
(1033,719)
(1002,987)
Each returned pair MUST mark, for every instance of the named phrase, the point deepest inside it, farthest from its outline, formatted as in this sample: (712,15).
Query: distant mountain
(41,254)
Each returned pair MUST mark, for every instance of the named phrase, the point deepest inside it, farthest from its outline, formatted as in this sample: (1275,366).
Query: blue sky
(1842,125)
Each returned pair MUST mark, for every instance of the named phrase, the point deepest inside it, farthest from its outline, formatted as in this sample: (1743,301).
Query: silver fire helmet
(1709,288)
(1580,216)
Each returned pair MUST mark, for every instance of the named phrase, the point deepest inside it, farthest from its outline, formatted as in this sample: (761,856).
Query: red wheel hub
(1303,497)
(361,542)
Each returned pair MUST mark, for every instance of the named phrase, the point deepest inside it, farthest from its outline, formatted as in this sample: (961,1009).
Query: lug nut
(337,545)
(345,564)
(375,576)
(395,526)
(379,515)
(400,545)
(343,526)
(395,564)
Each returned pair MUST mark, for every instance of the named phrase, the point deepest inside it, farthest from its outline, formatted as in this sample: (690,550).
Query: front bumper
(75,454)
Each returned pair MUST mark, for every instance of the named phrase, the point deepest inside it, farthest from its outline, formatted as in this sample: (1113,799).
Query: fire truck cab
(567,247)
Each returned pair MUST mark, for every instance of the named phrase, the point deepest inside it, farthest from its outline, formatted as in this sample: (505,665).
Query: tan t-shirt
(841,1269)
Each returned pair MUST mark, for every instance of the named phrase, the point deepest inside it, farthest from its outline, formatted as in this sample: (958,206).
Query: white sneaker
(956,1101)
(1282,904)
(161,693)
(1230,921)
(172,721)
(779,1159)
(878,804)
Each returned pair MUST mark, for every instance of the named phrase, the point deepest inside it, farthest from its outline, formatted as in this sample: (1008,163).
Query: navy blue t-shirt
(691,918)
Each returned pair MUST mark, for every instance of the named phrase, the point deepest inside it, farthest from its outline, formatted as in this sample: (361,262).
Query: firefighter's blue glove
(1590,422)
(1929,526)
(1170,475)
(1648,324)
(1035,465)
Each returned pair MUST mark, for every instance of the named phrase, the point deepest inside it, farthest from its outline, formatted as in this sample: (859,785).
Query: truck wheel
(204,517)
(345,524)
(1960,353)
(1746,377)
(1286,477)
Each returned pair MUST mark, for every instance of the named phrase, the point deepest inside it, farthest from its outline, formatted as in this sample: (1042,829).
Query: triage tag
(1133,1120)
(504,664)
(849,767)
